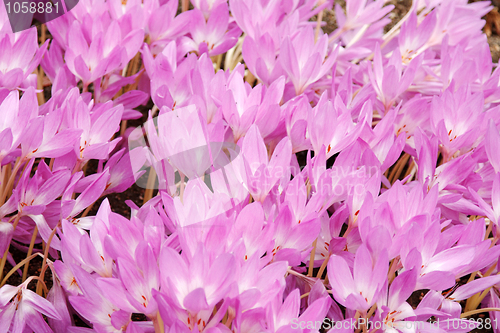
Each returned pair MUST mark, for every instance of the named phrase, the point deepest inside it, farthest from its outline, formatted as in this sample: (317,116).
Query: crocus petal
(473,287)
(196,301)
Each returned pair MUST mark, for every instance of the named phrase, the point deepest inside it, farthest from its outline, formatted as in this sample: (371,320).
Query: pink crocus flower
(263,64)
(255,16)
(438,270)
(105,52)
(19,58)
(304,60)
(123,171)
(493,210)
(132,15)
(86,251)
(44,137)
(393,310)
(243,106)
(360,289)
(57,297)
(5,27)
(164,25)
(72,207)
(15,113)
(384,143)
(53,64)
(256,236)
(214,36)
(206,6)
(330,126)
(21,308)
(97,123)
(137,280)
(284,317)
(390,82)
(240,105)
(260,173)
(168,144)
(207,284)
(94,306)
(292,241)
(199,206)
(296,112)
(455,119)
(494,302)
(32,195)
(359,13)
(171,85)
(415,38)
(492,140)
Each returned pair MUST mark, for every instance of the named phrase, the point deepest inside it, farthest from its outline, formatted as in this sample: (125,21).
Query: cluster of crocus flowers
(291,177)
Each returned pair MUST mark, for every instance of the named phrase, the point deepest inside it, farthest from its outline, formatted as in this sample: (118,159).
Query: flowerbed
(295,181)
